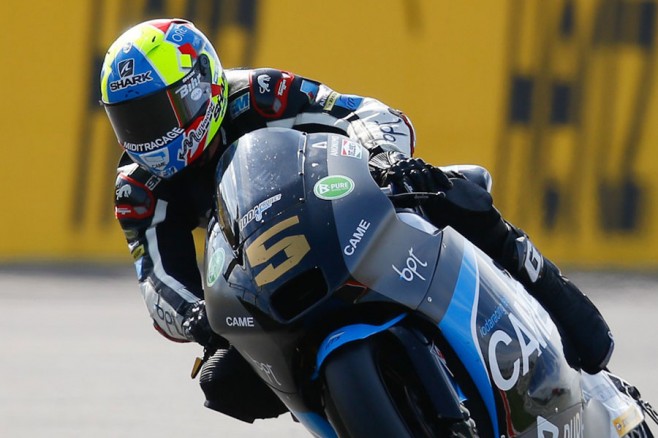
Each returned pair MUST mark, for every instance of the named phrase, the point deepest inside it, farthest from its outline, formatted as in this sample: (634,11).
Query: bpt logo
(96,150)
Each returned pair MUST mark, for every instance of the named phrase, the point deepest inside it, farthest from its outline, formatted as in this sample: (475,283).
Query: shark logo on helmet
(127,76)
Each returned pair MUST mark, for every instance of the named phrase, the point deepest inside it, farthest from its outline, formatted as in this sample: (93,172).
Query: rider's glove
(418,176)
(197,327)
(412,174)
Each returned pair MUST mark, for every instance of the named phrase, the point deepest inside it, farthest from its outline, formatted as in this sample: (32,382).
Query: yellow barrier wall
(556,98)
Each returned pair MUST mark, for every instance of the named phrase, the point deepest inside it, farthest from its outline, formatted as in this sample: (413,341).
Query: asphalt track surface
(79,357)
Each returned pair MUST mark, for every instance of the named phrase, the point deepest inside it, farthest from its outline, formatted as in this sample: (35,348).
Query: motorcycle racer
(174,110)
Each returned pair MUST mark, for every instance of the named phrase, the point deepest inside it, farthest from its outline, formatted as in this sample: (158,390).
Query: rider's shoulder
(272,93)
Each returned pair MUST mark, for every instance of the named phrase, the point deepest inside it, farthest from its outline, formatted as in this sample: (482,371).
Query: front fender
(347,334)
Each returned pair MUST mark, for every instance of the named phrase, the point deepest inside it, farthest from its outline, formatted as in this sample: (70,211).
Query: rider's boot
(575,315)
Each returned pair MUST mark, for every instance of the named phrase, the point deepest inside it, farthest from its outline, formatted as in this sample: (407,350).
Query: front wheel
(371,391)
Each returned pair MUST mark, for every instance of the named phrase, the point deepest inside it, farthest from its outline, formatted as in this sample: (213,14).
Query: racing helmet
(165,93)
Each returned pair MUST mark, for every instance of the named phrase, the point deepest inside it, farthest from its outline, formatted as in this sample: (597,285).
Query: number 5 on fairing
(295,248)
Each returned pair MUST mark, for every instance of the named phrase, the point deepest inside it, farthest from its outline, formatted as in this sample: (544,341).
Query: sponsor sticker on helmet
(215,266)
(127,76)
(333,187)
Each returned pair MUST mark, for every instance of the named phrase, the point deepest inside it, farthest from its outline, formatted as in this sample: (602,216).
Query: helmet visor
(150,122)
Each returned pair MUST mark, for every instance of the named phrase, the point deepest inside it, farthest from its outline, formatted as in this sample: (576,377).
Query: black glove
(196,326)
(418,176)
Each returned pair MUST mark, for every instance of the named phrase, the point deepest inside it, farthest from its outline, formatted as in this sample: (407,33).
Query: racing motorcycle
(368,321)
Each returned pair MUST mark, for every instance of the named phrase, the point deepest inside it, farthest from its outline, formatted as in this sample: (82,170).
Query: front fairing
(293,204)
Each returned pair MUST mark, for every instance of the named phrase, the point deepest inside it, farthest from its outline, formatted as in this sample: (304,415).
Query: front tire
(370,391)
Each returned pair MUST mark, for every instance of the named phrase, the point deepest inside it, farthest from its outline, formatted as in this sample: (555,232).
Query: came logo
(333,187)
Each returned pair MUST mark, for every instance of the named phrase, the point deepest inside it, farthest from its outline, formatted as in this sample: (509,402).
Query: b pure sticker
(215,266)
(333,187)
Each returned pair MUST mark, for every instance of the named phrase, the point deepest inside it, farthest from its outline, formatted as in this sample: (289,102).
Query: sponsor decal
(126,68)
(134,200)
(124,191)
(282,88)
(239,105)
(533,261)
(349,102)
(334,145)
(627,421)
(138,252)
(356,238)
(389,129)
(574,428)
(240,321)
(410,271)
(215,266)
(256,213)
(492,321)
(310,89)
(177,33)
(190,87)
(532,339)
(127,76)
(194,137)
(270,91)
(155,144)
(263,83)
(265,369)
(546,429)
(351,149)
(157,160)
(333,187)
(152,182)
(331,100)
(571,429)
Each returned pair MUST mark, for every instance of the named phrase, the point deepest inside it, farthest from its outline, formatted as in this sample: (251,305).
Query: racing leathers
(158,215)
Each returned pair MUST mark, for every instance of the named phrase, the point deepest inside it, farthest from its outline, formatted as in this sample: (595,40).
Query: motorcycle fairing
(457,325)
(504,338)
(501,335)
